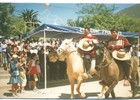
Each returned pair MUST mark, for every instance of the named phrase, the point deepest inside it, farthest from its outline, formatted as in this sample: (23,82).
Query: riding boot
(87,62)
(127,73)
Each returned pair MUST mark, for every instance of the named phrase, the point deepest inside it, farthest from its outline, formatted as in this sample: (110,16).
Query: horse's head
(101,55)
(64,47)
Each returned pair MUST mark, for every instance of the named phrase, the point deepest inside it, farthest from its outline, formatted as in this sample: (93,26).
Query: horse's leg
(111,87)
(79,82)
(72,87)
(104,88)
(133,86)
(102,91)
(113,94)
(134,80)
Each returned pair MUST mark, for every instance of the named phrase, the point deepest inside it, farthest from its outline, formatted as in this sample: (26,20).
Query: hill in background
(133,11)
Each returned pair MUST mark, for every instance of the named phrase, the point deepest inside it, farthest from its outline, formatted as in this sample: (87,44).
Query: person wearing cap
(86,48)
(15,76)
(120,47)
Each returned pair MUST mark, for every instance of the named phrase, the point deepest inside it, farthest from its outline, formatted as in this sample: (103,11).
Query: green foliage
(30,18)
(134,14)
(6,11)
(93,9)
(11,25)
(100,16)
(17,26)
(136,26)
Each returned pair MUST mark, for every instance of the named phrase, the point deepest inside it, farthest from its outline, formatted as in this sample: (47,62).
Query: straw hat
(85,44)
(121,55)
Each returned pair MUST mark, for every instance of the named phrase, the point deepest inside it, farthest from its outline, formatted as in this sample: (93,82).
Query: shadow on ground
(8,94)
(76,96)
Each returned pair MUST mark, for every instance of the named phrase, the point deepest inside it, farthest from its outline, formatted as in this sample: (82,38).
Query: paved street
(61,89)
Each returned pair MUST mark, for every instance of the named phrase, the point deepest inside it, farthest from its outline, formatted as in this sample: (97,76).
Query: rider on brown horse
(86,49)
(120,48)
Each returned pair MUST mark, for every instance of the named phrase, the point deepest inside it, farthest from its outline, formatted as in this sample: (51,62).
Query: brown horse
(112,71)
(75,66)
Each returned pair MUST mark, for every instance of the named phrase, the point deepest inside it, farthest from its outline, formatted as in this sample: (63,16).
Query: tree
(30,18)
(101,16)
(95,15)
(17,26)
(136,26)
(6,11)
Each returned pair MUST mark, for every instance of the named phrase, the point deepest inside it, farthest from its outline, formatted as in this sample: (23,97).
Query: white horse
(75,66)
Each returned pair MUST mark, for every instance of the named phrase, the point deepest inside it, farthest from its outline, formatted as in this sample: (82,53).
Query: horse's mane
(106,47)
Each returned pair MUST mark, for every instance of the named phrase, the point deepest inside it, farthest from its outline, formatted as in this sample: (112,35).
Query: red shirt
(116,44)
(95,40)
(33,68)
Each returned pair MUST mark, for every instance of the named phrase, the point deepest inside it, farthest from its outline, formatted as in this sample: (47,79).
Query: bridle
(67,49)
(104,64)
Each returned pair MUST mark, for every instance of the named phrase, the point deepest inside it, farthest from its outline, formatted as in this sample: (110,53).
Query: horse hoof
(133,94)
(100,95)
(82,95)
(71,97)
(126,83)
(106,95)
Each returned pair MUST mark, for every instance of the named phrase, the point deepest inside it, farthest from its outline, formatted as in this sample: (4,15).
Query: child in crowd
(32,72)
(22,76)
(15,77)
(38,72)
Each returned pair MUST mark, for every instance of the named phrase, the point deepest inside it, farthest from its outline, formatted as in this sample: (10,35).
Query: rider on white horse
(86,48)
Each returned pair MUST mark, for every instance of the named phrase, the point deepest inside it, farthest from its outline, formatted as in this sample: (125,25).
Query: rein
(68,48)
(104,60)
(72,52)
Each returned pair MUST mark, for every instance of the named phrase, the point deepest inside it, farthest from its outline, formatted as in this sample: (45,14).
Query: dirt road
(92,89)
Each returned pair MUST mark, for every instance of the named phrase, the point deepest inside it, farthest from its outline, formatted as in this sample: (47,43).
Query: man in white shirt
(34,50)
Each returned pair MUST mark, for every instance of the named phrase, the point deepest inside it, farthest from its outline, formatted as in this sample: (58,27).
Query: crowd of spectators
(30,61)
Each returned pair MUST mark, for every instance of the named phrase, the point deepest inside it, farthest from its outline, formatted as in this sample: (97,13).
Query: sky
(57,13)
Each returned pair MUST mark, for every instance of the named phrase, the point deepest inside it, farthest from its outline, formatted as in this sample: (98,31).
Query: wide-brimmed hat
(85,44)
(121,55)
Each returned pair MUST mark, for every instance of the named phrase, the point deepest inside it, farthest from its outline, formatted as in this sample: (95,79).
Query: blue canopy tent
(59,31)
(129,34)
(54,31)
